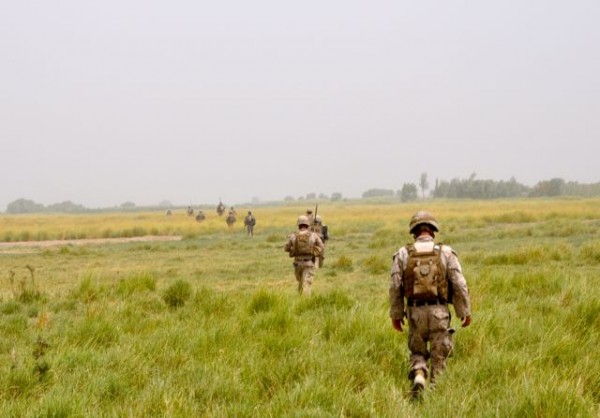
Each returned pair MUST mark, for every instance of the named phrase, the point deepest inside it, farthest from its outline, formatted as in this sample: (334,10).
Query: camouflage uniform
(428,321)
(304,262)
(230,219)
(249,222)
(317,227)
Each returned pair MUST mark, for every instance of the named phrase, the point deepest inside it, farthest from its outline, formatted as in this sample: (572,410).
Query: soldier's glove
(397,324)
(466,321)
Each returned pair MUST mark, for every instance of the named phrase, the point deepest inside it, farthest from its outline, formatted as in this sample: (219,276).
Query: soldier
(220,208)
(310,216)
(322,231)
(304,246)
(250,221)
(190,211)
(200,216)
(230,219)
(429,276)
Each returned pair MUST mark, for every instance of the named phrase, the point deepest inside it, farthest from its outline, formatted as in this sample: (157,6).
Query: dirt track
(26,246)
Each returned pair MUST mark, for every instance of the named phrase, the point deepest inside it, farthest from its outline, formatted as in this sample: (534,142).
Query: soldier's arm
(289,245)
(460,291)
(396,291)
(320,245)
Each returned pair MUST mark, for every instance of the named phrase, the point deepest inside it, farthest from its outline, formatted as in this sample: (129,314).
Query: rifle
(315,217)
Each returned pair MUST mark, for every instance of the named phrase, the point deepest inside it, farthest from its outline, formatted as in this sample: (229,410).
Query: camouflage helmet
(309,210)
(420,218)
(318,219)
(303,220)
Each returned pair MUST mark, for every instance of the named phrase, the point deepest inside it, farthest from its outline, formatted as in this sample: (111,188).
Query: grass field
(212,326)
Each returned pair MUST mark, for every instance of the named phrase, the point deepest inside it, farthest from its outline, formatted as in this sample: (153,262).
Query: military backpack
(303,245)
(425,275)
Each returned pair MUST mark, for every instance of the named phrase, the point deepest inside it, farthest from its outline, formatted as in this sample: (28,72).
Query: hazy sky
(103,102)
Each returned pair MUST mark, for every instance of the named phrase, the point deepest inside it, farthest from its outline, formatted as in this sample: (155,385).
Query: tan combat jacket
(304,259)
(460,292)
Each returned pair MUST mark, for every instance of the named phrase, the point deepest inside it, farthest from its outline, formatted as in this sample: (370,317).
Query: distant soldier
(190,211)
(249,222)
(230,219)
(200,216)
(304,246)
(220,208)
(429,277)
(232,210)
(322,231)
(169,213)
(310,216)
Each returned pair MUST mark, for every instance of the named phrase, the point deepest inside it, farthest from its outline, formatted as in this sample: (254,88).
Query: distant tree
(127,205)
(549,188)
(311,196)
(423,184)
(323,196)
(377,193)
(65,207)
(24,206)
(289,198)
(165,204)
(472,188)
(336,196)
(408,192)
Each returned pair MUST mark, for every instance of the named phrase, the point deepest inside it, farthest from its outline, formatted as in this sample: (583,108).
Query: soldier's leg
(441,340)
(298,272)
(307,279)
(418,335)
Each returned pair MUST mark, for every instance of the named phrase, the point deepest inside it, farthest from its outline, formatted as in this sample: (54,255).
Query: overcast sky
(103,102)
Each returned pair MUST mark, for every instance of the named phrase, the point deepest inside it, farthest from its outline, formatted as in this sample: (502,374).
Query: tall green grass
(212,326)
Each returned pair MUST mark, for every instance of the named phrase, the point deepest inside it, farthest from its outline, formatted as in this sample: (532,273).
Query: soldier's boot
(418,382)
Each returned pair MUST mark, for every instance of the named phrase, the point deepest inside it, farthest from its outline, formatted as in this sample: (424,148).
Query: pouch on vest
(303,246)
(425,276)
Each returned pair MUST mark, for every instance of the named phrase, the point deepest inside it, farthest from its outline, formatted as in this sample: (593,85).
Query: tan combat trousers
(304,272)
(429,338)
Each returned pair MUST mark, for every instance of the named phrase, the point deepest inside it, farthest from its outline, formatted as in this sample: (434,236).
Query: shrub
(274,238)
(178,293)
(344,263)
(137,283)
(376,265)
(262,302)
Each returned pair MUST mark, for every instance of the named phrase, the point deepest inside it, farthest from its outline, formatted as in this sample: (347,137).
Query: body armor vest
(303,246)
(425,275)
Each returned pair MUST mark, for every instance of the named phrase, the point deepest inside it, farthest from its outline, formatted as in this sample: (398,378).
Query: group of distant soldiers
(230,219)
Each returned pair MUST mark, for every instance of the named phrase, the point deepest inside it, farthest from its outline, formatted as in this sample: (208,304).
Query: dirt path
(27,246)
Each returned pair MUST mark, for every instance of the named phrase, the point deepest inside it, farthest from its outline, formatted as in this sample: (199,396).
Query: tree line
(473,188)
(469,188)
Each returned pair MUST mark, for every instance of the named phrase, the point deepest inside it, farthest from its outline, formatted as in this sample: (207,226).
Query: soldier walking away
(200,216)
(304,246)
(190,211)
(322,231)
(220,208)
(310,216)
(249,222)
(230,219)
(429,276)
